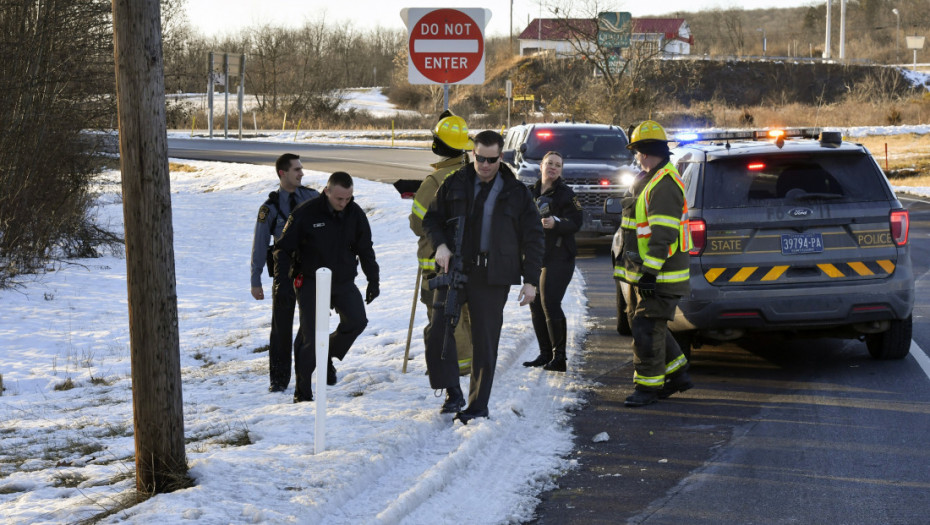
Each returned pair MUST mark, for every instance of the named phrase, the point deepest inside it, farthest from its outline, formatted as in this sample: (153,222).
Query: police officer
(655,261)
(561,218)
(330,231)
(272,215)
(450,141)
(502,244)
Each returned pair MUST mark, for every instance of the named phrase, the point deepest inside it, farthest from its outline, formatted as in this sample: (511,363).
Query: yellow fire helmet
(453,131)
(648,131)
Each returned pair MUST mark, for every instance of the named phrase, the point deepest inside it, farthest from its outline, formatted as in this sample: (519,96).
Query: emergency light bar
(748,134)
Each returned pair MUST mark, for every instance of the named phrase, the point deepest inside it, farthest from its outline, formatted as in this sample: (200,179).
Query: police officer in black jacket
(330,231)
(272,215)
(561,218)
(503,243)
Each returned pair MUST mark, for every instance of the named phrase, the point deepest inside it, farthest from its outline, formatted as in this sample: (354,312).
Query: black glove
(647,286)
(372,292)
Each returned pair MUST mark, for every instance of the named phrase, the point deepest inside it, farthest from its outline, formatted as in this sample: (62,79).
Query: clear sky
(213,17)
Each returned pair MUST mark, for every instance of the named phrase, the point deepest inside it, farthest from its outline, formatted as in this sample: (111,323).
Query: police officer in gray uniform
(272,216)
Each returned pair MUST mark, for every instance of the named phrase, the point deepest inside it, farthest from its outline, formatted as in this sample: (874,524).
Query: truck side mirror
(613,205)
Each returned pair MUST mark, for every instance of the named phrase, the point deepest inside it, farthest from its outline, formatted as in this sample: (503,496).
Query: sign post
(445,46)
(915,43)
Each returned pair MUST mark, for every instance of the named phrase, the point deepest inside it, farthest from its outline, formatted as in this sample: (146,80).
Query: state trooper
(272,216)
(655,261)
(451,142)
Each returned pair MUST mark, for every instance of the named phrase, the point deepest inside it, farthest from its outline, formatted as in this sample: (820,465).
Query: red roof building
(561,36)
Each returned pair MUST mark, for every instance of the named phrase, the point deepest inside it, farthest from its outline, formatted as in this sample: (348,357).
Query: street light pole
(764,41)
(897,34)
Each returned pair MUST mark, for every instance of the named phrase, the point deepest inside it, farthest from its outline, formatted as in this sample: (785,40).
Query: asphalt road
(800,431)
(370,162)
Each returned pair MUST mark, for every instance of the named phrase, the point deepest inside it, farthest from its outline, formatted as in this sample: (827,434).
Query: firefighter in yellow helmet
(451,142)
(655,261)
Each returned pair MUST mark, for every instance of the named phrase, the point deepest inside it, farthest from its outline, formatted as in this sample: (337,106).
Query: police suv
(596,164)
(794,231)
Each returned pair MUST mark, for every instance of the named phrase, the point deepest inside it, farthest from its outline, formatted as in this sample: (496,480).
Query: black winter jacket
(321,238)
(560,240)
(516,245)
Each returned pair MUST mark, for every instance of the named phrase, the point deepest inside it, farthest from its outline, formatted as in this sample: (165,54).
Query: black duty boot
(542,336)
(677,382)
(455,401)
(540,360)
(557,331)
(330,373)
(641,398)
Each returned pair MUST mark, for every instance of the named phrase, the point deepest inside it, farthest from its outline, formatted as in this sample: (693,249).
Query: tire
(623,322)
(684,340)
(895,343)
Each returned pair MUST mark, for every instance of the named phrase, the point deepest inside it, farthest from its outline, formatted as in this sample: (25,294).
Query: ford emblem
(800,212)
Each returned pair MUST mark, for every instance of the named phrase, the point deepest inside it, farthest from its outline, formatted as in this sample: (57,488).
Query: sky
(216,17)
(387,456)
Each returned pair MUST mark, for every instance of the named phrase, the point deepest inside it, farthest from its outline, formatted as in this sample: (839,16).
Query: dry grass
(176,166)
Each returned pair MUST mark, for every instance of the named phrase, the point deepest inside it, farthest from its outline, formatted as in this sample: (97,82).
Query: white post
(323,286)
(826,47)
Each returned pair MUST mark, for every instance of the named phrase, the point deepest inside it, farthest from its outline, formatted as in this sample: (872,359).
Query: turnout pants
(486,305)
(283,301)
(347,301)
(462,330)
(656,354)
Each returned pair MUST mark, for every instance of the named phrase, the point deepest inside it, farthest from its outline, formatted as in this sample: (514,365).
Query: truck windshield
(606,144)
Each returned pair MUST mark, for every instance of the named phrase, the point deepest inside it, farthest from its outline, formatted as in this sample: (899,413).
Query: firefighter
(655,261)
(451,143)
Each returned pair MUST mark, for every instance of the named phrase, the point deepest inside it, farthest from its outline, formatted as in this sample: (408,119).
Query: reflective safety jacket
(426,253)
(655,234)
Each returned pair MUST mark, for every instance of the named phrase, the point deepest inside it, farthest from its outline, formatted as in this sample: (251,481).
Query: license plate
(797,243)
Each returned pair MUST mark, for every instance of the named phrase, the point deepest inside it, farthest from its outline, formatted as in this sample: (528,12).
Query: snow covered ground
(66,415)
(390,456)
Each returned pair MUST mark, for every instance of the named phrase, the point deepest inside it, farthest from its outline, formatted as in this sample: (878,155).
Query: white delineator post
(324,279)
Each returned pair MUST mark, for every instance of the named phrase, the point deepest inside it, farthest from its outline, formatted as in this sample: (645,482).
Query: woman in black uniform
(561,218)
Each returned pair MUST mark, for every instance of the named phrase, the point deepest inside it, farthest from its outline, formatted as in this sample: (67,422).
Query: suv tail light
(900,224)
(698,236)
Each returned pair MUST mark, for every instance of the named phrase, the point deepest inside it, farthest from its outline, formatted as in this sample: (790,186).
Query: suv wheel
(623,322)
(895,343)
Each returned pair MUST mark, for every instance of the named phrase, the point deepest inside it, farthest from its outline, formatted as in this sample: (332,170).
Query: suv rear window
(791,179)
(603,144)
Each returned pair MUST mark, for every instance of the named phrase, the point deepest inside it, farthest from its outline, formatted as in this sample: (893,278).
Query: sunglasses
(489,160)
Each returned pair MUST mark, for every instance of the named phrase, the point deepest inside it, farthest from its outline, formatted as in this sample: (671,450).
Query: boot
(557,332)
(641,398)
(455,400)
(677,382)
(545,343)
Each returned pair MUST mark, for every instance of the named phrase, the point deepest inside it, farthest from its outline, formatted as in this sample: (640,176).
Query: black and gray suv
(802,236)
(596,164)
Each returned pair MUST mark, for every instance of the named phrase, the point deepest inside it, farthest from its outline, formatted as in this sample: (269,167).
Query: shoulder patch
(576,203)
(263,213)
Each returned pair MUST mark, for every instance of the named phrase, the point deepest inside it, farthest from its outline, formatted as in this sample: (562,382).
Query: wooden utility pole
(158,415)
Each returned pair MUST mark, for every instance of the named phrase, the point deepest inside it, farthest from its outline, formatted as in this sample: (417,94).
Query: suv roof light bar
(747,134)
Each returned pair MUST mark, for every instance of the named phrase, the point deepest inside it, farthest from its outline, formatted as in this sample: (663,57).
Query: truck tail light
(698,236)
(900,224)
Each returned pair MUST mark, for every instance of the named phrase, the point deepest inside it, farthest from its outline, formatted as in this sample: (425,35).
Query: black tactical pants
(283,301)
(347,301)
(547,307)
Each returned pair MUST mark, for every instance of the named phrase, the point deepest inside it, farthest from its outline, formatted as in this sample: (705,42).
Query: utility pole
(826,47)
(842,29)
(897,34)
(158,418)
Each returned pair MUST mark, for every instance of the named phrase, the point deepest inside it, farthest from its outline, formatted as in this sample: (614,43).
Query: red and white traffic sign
(446,46)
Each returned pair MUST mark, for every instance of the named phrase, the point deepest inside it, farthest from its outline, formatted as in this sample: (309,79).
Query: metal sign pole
(445,97)
(241,90)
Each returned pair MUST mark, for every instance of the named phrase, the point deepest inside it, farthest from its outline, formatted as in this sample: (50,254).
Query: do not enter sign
(446,46)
